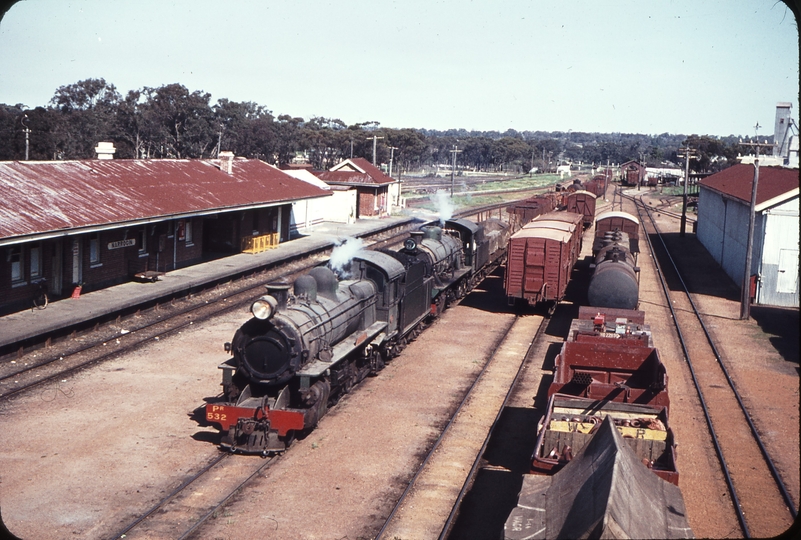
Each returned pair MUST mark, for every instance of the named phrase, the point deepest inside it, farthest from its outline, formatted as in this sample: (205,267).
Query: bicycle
(40,299)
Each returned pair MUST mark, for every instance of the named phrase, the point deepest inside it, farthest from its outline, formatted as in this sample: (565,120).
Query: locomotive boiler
(296,352)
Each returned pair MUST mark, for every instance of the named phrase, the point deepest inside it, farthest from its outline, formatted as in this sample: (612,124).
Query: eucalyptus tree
(84,115)
(180,123)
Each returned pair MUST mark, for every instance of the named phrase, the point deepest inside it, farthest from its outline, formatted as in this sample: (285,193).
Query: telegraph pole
(375,140)
(687,153)
(453,164)
(391,157)
(745,293)
(27,132)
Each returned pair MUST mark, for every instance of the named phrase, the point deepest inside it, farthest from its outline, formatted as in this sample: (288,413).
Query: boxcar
(582,202)
(524,211)
(617,221)
(539,264)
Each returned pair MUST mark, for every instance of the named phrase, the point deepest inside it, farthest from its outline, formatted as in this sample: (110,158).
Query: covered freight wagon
(582,202)
(617,221)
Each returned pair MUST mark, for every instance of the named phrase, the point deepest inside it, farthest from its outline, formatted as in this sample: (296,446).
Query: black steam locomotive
(303,350)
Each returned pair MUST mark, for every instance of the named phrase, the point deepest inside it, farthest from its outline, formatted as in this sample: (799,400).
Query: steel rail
(237,298)
(457,504)
(718,450)
(172,495)
(445,430)
(765,454)
(270,462)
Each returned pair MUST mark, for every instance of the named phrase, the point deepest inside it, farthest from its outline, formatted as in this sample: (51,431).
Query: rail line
(18,376)
(469,395)
(194,500)
(446,528)
(740,472)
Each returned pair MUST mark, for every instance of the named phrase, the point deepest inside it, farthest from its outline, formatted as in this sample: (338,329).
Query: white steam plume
(444,206)
(343,253)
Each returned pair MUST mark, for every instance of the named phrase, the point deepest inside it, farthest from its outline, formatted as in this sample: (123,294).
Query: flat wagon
(570,423)
(612,360)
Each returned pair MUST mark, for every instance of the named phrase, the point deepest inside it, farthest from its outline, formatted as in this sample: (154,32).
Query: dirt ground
(80,458)
(762,356)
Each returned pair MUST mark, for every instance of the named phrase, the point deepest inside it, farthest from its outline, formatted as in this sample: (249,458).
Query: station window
(188,232)
(15,259)
(36,260)
(94,249)
(142,239)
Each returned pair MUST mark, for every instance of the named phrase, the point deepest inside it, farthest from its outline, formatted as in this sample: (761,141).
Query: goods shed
(375,190)
(97,223)
(723,215)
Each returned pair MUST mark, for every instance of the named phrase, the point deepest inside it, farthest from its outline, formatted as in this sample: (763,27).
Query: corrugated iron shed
(355,172)
(41,198)
(737,181)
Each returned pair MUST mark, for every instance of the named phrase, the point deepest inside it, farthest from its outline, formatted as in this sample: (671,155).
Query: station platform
(24,327)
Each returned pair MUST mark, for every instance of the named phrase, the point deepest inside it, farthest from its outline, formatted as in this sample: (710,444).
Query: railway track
(752,478)
(50,363)
(199,497)
(430,503)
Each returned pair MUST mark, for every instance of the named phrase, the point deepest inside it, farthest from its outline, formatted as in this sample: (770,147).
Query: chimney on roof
(105,150)
(227,162)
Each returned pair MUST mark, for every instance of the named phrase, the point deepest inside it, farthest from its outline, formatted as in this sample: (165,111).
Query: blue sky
(641,66)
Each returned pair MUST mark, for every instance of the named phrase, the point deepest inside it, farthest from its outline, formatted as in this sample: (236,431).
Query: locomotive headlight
(264,308)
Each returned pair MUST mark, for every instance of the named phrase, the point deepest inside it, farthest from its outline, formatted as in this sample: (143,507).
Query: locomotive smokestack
(280,291)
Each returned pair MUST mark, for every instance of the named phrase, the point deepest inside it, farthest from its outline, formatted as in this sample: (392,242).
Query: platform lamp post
(687,153)
(745,293)
(27,132)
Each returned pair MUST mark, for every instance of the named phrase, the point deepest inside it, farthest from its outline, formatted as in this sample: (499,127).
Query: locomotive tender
(301,352)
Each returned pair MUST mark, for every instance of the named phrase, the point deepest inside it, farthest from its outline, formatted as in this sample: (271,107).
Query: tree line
(172,122)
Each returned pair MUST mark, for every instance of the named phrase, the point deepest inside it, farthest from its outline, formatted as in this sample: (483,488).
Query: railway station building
(98,223)
(723,218)
(375,191)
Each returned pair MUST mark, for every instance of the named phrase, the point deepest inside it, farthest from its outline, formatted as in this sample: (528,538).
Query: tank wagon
(541,257)
(615,278)
(302,350)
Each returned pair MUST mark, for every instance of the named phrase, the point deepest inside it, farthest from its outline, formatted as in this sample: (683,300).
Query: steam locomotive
(303,350)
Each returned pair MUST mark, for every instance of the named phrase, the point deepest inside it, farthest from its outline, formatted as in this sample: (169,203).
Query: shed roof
(41,198)
(776,184)
(355,171)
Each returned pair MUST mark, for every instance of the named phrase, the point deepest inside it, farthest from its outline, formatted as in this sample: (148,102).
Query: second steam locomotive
(302,351)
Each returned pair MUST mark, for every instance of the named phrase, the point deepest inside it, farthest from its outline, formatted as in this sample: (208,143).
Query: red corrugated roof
(46,196)
(737,181)
(354,171)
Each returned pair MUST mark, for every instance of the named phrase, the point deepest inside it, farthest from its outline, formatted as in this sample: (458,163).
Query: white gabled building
(723,216)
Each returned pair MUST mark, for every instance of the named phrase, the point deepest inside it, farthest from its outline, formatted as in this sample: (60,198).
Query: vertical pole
(683,224)
(745,298)
(375,141)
